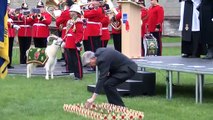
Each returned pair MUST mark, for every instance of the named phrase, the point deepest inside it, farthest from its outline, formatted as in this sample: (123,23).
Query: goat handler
(115,68)
(73,40)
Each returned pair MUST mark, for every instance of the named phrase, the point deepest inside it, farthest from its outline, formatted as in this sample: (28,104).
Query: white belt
(69,35)
(64,28)
(39,24)
(93,22)
(105,28)
(24,25)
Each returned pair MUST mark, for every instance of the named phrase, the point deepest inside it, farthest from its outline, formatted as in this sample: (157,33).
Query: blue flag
(4,59)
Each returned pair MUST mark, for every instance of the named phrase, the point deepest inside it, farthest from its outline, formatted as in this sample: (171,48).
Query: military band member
(40,30)
(73,40)
(24,33)
(144,18)
(105,37)
(155,21)
(94,15)
(11,34)
(86,41)
(61,21)
(116,29)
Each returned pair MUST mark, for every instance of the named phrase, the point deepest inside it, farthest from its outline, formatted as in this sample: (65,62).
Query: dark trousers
(142,47)
(95,42)
(24,45)
(11,40)
(194,46)
(110,85)
(158,36)
(104,43)
(68,69)
(40,42)
(87,45)
(117,41)
(59,35)
(74,62)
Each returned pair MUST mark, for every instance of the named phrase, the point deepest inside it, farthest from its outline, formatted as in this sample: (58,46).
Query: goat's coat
(50,51)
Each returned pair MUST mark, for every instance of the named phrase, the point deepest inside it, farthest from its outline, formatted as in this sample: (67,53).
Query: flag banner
(4,42)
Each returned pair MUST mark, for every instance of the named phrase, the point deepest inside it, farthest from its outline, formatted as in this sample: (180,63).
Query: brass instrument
(84,4)
(54,7)
(114,12)
(38,16)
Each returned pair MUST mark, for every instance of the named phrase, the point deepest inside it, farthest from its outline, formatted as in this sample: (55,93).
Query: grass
(38,99)
(164,40)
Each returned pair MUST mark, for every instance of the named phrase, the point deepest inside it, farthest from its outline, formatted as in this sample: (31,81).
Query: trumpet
(39,16)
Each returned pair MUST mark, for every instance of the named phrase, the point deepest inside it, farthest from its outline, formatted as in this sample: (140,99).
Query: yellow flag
(4,58)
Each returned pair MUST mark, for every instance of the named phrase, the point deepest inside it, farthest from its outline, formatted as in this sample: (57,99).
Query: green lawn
(164,40)
(39,99)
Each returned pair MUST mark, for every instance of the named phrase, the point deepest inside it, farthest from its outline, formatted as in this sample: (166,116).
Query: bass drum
(150,45)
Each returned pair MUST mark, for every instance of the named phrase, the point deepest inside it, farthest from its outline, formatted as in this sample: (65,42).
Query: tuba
(115,24)
(54,7)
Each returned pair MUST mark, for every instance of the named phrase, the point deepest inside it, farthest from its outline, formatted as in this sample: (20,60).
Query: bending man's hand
(90,101)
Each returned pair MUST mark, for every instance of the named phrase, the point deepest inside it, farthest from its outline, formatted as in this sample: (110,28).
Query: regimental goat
(49,59)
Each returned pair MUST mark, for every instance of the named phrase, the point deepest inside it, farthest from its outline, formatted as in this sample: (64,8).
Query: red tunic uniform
(94,25)
(74,35)
(105,31)
(62,21)
(155,18)
(25,26)
(11,30)
(40,27)
(144,18)
(155,21)
(85,32)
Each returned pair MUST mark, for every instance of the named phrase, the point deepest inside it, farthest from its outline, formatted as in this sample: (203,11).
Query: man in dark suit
(115,68)
(206,25)
(191,43)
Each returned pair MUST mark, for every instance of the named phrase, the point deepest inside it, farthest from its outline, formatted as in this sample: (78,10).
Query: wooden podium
(131,39)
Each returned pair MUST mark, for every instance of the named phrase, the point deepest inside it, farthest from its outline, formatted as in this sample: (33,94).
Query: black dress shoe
(10,67)
(209,54)
(61,59)
(185,55)
(195,56)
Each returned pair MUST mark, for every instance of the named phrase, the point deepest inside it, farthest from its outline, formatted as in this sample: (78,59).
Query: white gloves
(16,27)
(79,46)
(9,20)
